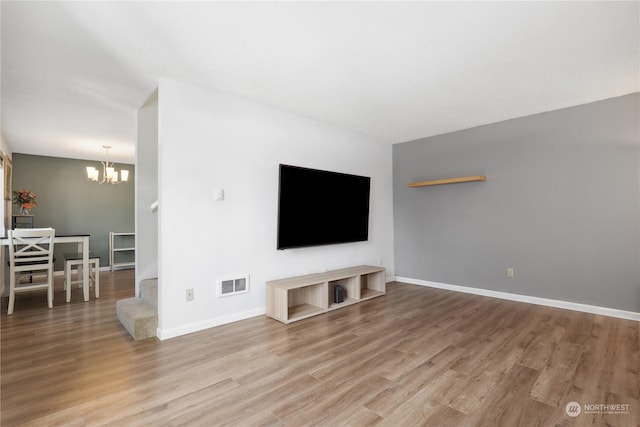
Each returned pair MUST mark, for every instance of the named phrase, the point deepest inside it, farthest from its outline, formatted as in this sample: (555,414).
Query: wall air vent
(233,285)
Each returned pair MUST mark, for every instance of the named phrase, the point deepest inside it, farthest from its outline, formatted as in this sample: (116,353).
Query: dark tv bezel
(279,246)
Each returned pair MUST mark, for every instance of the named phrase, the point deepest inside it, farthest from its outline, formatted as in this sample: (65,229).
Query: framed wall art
(8,175)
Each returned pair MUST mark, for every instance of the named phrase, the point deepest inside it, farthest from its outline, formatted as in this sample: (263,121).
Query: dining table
(83,247)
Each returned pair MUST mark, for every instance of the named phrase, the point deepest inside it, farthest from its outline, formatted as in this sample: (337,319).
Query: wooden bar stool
(94,272)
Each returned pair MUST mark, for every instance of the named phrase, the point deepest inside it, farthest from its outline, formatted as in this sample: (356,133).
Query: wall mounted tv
(317,207)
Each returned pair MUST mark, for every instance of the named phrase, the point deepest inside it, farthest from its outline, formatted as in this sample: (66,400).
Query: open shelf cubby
(351,294)
(306,301)
(372,285)
(296,298)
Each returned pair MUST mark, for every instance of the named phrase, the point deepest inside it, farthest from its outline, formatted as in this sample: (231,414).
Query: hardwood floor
(417,356)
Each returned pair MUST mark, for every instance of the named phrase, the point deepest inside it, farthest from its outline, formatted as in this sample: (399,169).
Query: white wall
(4,146)
(147,191)
(210,140)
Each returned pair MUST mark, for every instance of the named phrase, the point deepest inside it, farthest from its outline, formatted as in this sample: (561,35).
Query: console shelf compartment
(350,285)
(306,301)
(372,285)
(296,298)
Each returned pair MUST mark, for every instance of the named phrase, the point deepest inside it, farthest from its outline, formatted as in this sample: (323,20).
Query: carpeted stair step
(149,292)
(139,315)
(138,318)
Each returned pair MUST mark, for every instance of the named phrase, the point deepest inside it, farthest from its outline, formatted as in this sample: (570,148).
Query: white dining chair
(30,252)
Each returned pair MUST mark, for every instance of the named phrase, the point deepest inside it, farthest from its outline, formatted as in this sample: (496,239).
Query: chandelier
(109,173)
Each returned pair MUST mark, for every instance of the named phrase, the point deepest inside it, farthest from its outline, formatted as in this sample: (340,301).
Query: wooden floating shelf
(447,181)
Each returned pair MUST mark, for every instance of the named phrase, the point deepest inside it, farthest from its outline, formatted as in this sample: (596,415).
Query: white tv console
(296,298)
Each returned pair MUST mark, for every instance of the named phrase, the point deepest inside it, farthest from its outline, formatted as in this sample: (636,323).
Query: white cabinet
(119,245)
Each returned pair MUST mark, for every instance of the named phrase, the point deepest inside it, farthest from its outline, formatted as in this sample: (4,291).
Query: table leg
(85,267)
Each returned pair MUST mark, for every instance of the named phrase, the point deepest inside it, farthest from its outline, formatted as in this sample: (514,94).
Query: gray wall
(561,205)
(71,204)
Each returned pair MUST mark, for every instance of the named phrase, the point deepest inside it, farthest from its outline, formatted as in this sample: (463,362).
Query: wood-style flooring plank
(417,356)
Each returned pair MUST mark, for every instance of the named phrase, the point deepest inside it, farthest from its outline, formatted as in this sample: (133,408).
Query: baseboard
(164,334)
(593,309)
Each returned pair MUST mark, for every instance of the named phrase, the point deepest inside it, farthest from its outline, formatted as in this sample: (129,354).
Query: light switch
(219,194)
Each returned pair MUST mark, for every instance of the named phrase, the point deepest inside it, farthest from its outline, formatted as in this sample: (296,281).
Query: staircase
(139,316)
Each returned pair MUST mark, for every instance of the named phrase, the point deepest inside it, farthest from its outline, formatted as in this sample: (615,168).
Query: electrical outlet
(510,272)
(190,294)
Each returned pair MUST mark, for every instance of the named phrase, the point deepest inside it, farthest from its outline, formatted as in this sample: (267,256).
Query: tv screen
(317,207)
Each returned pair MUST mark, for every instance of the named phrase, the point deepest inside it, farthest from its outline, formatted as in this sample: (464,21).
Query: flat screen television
(317,207)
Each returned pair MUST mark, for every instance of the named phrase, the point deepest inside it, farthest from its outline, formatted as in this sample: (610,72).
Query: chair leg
(12,292)
(50,288)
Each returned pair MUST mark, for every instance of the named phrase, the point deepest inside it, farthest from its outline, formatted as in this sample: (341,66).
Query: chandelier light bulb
(109,173)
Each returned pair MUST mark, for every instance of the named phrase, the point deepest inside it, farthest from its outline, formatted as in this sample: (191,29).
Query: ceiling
(74,73)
